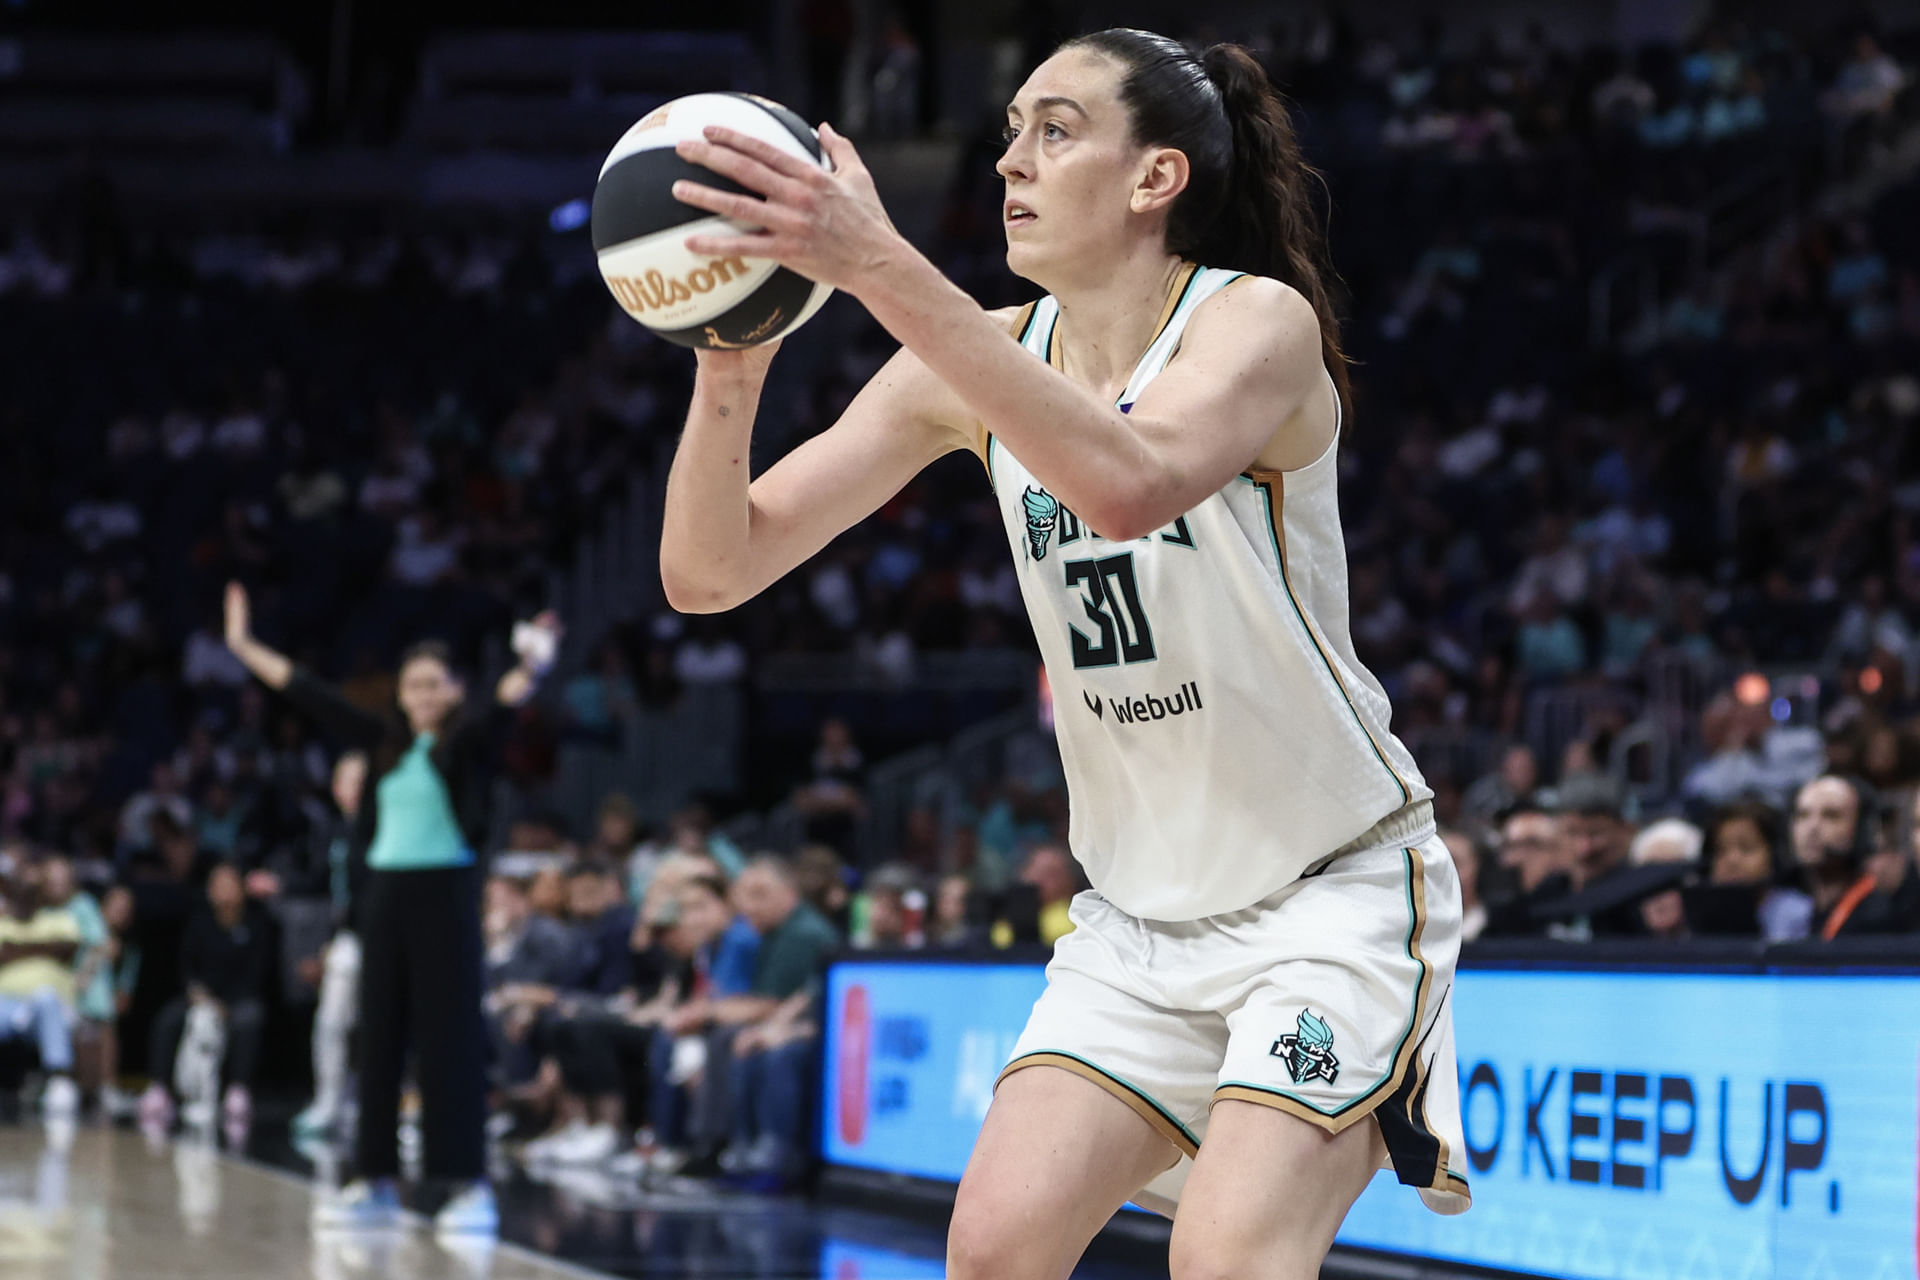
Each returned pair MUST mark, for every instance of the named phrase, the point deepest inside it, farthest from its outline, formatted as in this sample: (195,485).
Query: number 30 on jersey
(1111,596)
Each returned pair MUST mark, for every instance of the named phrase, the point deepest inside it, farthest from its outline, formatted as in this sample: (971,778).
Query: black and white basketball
(640,230)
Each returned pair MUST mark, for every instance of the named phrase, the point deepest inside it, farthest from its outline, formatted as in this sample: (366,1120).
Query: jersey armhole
(982,438)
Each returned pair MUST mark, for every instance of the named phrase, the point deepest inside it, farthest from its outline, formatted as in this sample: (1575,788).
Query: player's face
(1070,165)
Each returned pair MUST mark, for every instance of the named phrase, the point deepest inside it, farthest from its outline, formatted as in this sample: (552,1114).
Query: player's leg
(1107,1090)
(1339,1061)
(1057,1157)
(1267,1193)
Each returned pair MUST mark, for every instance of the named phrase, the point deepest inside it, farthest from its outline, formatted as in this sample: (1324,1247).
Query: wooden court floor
(104,1204)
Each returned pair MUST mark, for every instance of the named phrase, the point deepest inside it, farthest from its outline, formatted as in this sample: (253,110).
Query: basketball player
(1253,1012)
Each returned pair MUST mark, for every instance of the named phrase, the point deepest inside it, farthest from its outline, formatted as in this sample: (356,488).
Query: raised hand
(239,616)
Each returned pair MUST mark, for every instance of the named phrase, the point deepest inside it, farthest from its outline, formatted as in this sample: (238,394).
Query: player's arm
(1125,476)
(726,538)
(1250,360)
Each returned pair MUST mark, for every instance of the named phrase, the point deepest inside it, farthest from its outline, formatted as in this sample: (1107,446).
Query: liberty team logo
(1308,1051)
(1043,512)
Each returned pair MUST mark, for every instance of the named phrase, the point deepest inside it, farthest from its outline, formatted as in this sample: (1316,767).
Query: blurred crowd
(1561,553)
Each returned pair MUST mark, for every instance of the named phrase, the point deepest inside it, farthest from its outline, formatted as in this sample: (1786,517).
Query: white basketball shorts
(1330,1000)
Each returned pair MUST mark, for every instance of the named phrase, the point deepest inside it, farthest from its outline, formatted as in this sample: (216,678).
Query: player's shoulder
(1257,316)
(1249,296)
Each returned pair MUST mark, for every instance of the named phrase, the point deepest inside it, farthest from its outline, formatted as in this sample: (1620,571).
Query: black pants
(244,1018)
(420,984)
(601,1055)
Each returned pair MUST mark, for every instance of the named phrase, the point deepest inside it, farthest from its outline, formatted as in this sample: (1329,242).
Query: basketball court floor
(111,1204)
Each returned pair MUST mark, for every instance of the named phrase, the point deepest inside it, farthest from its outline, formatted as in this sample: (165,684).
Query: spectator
(95,1006)
(830,802)
(339,965)
(529,956)
(1747,849)
(795,942)
(616,834)
(547,894)
(601,1046)
(1868,84)
(1835,829)
(952,924)
(227,959)
(1547,645)
(162,795)
(894,903)
(1534,862)
(1664,914)
(1750,754)
(602,924)
(709,655)
(1493,793)
(1056,876)
(772,1061)
(822,878)
(600,700)
(1899,869)
(38,944)
(1594,826)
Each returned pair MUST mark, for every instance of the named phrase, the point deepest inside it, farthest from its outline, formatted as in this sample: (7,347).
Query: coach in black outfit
(423,818)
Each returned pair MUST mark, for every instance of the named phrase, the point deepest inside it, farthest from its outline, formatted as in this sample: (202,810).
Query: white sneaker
(156,1108)
(628,1164)
(358,1206)
(591,1145)
(61,1100)
(541,1149)
(117,1104)
(471,1213)
(666,1161)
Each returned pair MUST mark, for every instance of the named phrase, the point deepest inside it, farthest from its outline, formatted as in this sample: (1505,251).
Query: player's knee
(1198,1255)
(983,1243)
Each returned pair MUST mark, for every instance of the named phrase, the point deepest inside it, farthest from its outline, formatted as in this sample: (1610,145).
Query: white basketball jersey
(1218,734)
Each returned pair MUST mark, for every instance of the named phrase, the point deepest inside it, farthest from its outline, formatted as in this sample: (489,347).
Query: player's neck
(1108,319)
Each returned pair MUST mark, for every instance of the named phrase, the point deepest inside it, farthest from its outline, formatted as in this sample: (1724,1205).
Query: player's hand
(239,620)
(828,226)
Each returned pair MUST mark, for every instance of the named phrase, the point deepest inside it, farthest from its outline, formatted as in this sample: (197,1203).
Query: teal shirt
(418,830)
(94,999)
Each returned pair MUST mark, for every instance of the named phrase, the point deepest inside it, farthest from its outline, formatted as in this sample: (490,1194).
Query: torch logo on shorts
(1308,1051)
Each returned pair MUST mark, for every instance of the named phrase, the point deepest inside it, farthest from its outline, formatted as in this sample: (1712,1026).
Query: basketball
(640,230)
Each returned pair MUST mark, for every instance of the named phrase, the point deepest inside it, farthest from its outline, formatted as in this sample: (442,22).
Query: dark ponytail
(1247,205)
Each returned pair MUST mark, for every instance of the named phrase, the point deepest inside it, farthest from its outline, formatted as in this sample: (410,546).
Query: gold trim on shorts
(1143,1106)
(1369,1101)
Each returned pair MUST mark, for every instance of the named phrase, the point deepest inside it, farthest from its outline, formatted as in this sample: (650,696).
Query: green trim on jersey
(1273,518)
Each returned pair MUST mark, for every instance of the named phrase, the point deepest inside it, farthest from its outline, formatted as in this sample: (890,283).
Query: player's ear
(1164,173)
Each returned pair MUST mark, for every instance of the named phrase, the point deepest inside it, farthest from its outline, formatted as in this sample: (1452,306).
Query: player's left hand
(828,226)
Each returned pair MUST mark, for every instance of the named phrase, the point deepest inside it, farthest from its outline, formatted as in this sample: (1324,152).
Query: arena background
(303,297)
